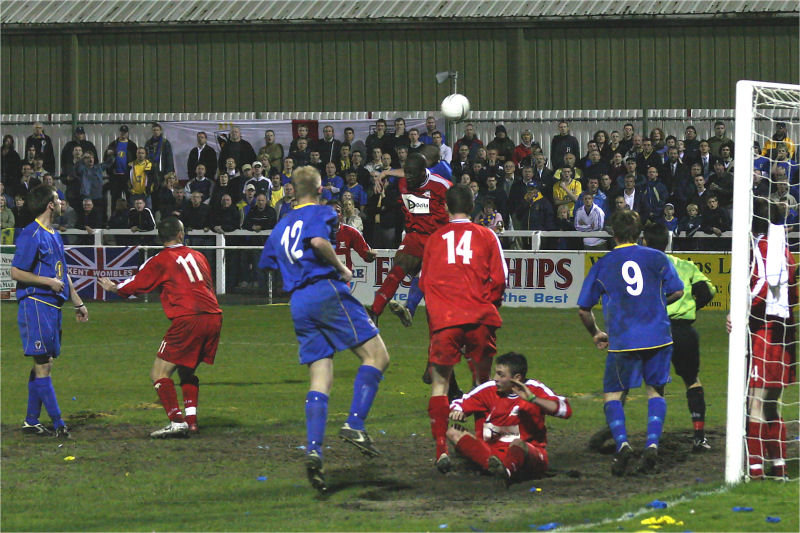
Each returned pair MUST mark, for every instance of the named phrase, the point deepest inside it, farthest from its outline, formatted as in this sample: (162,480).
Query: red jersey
(764,304)
(511,417)
(463,276)
(349,238)
(185,280)
(425,207)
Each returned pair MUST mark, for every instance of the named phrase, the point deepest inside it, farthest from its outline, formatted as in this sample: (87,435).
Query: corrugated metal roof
(218,11)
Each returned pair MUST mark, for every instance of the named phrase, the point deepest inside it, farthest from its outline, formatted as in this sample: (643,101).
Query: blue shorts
(39,327)
(328,319)
(625,370)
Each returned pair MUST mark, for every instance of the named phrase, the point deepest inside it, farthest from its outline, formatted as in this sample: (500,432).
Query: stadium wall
(291,67)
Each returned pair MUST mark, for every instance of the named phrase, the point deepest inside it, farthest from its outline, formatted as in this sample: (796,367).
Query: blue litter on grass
(300,448)
(548,526)
(74,398)
(773,519)
(442,526)
(657,504)
(473,528)
(532,489)
(263,447)
(382,432)
(739,509)
(261,478)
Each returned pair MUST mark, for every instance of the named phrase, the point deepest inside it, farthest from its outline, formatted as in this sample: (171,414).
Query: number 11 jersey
(633,282)
(185,279)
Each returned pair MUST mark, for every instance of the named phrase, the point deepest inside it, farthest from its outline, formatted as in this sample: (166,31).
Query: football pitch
(244,472)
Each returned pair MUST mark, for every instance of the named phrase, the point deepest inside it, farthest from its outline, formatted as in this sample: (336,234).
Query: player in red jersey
(187,296)
(423,196)
(773,285)
(513,444)
(463,278)
(349,238)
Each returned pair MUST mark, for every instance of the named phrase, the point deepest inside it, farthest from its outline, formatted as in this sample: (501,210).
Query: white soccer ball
(455,107)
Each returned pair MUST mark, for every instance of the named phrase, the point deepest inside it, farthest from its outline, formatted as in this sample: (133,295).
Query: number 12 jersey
(185,280)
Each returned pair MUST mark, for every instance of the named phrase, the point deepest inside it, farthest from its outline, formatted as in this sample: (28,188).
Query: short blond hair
(306,181)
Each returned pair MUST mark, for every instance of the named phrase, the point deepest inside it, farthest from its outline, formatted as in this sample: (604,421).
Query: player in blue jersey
(43,285)
(327,318)
(636,284)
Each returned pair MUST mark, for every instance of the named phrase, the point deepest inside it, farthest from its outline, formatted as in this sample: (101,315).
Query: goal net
(763,406)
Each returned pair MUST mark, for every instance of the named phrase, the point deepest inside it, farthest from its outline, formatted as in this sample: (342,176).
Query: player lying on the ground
(464,277)
(513,444)
(188,299)
(327,318)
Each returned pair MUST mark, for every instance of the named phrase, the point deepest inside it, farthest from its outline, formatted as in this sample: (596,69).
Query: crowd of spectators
(685,184)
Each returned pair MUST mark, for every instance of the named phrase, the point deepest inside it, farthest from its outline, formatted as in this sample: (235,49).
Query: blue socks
(365,387)
(414,296)
(34,403)
(615,417)
(656,412)
(47,394)
(316,416)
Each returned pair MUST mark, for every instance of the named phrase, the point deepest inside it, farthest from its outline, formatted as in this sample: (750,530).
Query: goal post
(759,106)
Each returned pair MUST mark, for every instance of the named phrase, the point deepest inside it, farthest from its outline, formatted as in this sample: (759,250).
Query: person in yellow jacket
(142,178)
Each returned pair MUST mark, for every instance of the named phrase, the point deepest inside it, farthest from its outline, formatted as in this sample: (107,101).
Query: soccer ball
(455,107)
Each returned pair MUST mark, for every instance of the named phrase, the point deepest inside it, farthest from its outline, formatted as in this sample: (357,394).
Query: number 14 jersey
(185,279)
(463,276)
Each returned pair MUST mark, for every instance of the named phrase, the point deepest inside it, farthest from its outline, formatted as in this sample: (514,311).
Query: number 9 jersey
(633,282)
(185,280)
(288,247)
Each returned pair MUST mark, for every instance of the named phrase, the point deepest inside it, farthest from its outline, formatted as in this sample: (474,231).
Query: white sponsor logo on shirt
(417,205)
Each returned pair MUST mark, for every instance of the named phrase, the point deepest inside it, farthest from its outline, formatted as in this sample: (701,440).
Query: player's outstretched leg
(403,264)
(406,312)
(402,312)
(190,387)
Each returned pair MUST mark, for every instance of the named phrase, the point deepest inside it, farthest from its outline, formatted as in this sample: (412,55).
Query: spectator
(30,155)
(648,157)
(614,144)
(48,180)
(658,140)
(396,140)
(675,174)
(564,223)
(477,199)
(223,187)
(516,193)
(167,204)
(377,139)
(262,183)
(462,164)
(89,218)
(536,212)
(201,183)
(376,163)
(631,169)
(584,162)
(43,145)
(140,217)
(159,153)
(493,165)
(72,176)
(358,192)
(490,217)
(277,191)
(384,217)
(11,163)
(414,144)
(119,155)
(781,195)
(285,204)
(22,215)
(563,143)
(240,150)
(315,161)
(355,145)
(655,194)
(142,179)
(181,203)
(691,144)
(635,198)
(201,154)
(497,195)
(567,190)
(699,193)
(445,152)
(599,197)
(196,214)
(570,160)
(705,159)
(92,179)
(782,161)
(589,217)
(602,143)
(543,175)
(771,145)
(78,139)
(363,177)
(508,176)
(668,218)
(726,156)
(247,200)
(595,166)
(611,191)
(430,129)
(273,149)
(302,133)
(720,183)
(331,183)
(617,168)
(27,181)
(38,167)
(718,139)
(715,220)
(626,141)
(688,226)
(504,146)
(225,217)
(470,140)
(402,155)
(636,147)
(351,216)
(286,173)
(760,163)
(328,147)
(119,216)
(6,214)
(260,217)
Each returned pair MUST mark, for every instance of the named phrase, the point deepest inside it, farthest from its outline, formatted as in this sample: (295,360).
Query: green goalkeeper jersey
(686,307)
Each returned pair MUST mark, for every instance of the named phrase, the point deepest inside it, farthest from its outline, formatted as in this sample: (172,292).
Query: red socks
(439,411)
(755,448)
(387,289)
(475,449)
(514,459)
(775,445)
(190,391)
(169,398)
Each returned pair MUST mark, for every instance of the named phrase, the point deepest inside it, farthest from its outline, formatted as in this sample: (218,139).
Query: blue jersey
(41,252)
(442,168)
(633,282)
(289,246)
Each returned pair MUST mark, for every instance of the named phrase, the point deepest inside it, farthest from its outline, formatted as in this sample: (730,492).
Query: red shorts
(413,244)
(771,364)
(477,341)
(191,340)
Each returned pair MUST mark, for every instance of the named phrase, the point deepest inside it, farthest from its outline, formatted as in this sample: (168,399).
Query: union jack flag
(86,264)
